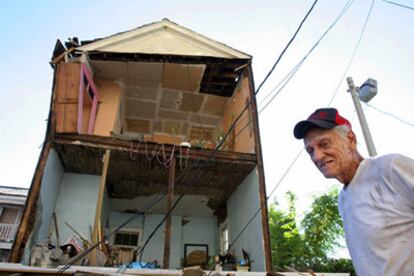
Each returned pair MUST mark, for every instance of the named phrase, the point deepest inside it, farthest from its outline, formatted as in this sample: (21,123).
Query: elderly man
(377,199)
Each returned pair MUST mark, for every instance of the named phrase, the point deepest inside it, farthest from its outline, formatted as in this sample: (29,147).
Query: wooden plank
(99,203)
(67,88)
(262,184)
(29,213)
(170,200)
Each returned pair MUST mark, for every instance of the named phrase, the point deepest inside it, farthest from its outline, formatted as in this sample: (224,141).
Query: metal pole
(364,125)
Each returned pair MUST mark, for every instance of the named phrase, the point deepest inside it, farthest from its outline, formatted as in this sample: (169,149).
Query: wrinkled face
(334,155)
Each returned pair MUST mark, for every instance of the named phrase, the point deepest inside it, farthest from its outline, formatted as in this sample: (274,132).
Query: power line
(400,5)
(286,47)
(390,115)
(281,85)
(299,64)
(353,53)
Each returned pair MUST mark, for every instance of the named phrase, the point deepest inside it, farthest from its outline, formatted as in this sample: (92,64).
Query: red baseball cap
(326,118)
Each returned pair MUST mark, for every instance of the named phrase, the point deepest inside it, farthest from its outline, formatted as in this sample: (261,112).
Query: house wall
(116,219)
(76,203)
(202,231)
(241,206)
(49,189)
(243,142)
(155,248)
(109,100)
(106,210)
(197,230)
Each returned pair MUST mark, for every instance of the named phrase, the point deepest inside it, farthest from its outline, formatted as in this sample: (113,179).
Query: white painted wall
(201,231)
(49,189)
(155,248)
(116,219)
(76,203)
(241,206)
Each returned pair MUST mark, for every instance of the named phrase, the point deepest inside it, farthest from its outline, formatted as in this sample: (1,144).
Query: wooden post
(262,185)
(98,211)
(29,213)
(170,200)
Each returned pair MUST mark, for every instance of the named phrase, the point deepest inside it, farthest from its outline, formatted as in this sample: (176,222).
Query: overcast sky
(29,29)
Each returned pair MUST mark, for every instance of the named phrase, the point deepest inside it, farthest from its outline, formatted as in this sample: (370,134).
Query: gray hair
(342,130)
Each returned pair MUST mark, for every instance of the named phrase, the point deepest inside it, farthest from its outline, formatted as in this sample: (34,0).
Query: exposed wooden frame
(124,145)
(98,211)
(85,75)
(262,183)
(29,213)
(170,200)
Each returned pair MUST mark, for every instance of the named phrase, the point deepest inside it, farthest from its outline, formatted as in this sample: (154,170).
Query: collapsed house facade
(134,123)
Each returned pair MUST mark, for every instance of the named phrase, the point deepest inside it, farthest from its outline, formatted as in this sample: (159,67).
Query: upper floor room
(159,83)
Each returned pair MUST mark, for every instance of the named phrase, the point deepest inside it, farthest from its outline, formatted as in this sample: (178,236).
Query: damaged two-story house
(135,119)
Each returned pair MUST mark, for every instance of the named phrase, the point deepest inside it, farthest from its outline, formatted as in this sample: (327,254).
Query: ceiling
(139,176)
(165,98)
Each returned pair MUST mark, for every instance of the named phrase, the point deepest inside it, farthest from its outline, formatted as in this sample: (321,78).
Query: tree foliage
(306,245)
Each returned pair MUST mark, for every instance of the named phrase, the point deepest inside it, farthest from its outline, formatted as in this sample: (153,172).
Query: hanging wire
(134,151)
(389,114)
(400,5)
(353,53)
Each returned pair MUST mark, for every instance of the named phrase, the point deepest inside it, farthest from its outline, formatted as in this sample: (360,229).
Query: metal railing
(7,232)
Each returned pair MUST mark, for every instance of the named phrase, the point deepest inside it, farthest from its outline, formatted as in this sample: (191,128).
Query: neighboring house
(124,111)
(12,200)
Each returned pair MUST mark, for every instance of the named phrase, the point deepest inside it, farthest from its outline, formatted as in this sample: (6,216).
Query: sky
(29,29)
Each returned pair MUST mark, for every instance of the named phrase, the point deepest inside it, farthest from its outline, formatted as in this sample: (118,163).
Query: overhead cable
(400,5)
(286,47)
(281,85)
(390,115)
(354,52)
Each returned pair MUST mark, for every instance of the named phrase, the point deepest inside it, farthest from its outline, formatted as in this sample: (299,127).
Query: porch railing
(7,232)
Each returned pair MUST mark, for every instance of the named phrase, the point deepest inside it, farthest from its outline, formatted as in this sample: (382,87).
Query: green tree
(306,245)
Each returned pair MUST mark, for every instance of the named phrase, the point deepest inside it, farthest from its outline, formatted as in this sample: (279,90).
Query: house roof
(165,38)
(13,195)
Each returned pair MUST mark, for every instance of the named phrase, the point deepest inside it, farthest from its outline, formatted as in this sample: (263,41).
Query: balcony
(7,232)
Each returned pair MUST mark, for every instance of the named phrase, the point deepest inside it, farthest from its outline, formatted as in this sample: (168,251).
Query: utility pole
(364,125)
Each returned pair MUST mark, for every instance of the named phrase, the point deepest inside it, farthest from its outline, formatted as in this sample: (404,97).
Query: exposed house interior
(141,129)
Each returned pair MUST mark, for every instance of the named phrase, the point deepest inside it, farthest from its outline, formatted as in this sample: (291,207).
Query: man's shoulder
(392,158)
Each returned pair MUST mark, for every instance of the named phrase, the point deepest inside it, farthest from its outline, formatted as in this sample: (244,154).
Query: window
(8,215)
(224,237)
(88,101)
(127,238)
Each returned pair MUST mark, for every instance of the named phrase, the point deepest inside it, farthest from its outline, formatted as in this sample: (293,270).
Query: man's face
(332,154)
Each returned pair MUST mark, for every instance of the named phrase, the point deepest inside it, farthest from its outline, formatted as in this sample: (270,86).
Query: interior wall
(117,218)
(108,108)
(201,231)
(49,189)
(155,248)
(106,211)
(76,204)
(243,142)
(241,206)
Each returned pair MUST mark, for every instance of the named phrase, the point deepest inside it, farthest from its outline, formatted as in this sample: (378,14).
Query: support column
(170,201)
(262,184)
(96,234)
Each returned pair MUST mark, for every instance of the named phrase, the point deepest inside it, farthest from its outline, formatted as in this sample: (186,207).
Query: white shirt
(377,208)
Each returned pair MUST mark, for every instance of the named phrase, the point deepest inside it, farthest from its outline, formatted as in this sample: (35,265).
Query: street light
(366,92)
